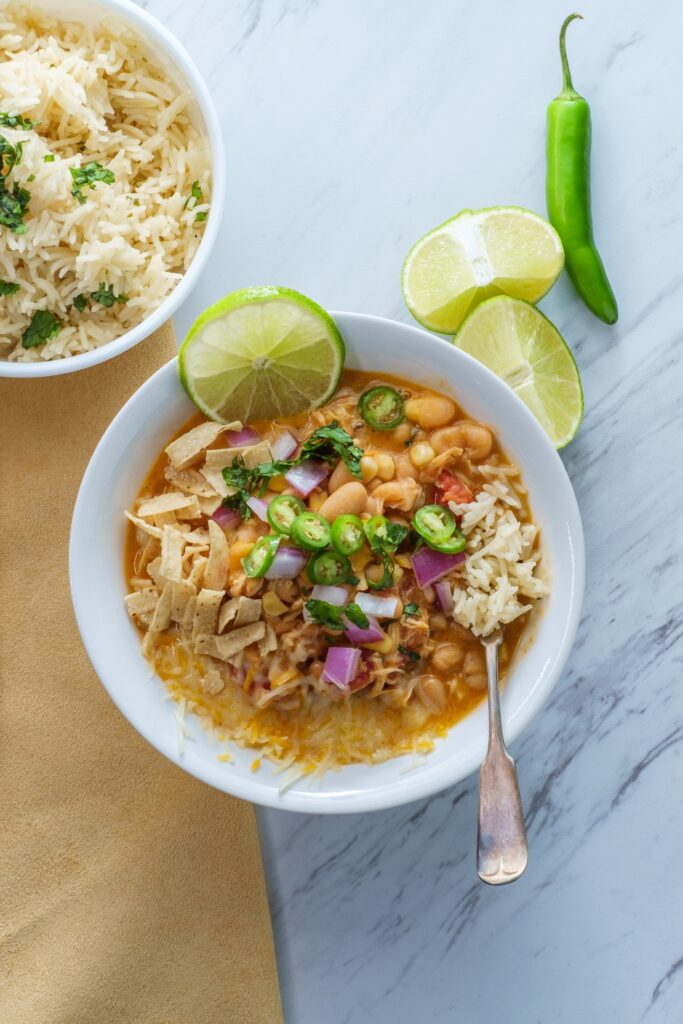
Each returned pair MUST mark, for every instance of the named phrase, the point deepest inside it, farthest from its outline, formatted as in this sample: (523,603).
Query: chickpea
(340,476)
(473,438)
(432,693)
(404,468)
(368,468)
(447,657)
(430,411)
(474,670)
(386,467)
(349,499)
(421,455)
(438,621)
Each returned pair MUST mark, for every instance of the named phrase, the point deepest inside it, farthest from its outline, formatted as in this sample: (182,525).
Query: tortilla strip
(172,501)
(188,448)
(216,569)
(153,531)
(253,455)
(243,610)
(196,573)
(209,505)
(226,647)
(192,511)
(269,641)
(188,617)
(182,592)
(172,544)
(198,536)
(146,554)
(161,619)
(154,570)
(190,481)
(206,611)
(212,682)
(215,478)
(142,603)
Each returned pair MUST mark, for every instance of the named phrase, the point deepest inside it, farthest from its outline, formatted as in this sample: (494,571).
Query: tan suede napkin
(130,892)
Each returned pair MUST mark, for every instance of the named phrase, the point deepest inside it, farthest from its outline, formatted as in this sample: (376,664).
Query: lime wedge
(260,353)
(525,350)
(480,253)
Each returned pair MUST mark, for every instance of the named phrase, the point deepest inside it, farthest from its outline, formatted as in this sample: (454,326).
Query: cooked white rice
(100,97)
(502,557)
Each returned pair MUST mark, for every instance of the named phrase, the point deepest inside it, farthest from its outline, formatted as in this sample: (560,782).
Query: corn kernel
(368,468)
(384,646)
(385,466)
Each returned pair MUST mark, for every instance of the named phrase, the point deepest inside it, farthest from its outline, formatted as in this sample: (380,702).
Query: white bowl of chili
(112,481)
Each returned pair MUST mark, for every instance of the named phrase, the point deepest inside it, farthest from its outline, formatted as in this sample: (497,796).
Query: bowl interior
(112,481)
(175,61)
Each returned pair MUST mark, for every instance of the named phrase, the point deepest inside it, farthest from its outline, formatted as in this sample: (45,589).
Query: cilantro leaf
(105,295)
(194,197)
(201,216)
(411,610)
(246,481)
(8,288)
(325,614)
(13,206)
(80,302)
(387,537)
(44,325)
(10,155)
(408,653)
(330,443)
(16,121)
(355,614)
(49,158)
(87,176)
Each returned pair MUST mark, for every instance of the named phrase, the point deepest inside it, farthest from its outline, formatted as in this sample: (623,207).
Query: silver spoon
(501,840)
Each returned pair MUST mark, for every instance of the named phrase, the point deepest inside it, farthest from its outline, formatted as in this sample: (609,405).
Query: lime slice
(480,253)
(525,350)
(260,353)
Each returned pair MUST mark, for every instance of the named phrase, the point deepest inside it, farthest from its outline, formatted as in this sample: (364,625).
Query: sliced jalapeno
(434,523)
(282,511)
(382,534)
(387,578)
(329,568)
(347,534)
(260,558)
(381,408)
(453,545)
(310,531)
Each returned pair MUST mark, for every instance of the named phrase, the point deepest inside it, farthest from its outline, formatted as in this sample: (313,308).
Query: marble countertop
(351,129)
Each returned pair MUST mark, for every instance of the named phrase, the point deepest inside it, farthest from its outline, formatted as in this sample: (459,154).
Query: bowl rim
(393,794)
(148,26)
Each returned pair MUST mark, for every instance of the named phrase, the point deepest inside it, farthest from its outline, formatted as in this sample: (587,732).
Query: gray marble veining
(350,130)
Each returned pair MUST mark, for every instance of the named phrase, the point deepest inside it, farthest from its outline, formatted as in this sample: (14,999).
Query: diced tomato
(450,487)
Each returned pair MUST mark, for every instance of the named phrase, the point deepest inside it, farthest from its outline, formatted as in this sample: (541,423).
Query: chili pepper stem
(567,84)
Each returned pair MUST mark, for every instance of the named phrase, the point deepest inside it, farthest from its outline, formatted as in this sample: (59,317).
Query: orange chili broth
(290,728)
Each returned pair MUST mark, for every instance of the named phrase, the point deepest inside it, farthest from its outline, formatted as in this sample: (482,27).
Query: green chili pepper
(347,534)
(434,523)
(384,536)
(282,511)
(453,545)
(329,568)
(310,531)
(568,191)
(260,558)
(381,408)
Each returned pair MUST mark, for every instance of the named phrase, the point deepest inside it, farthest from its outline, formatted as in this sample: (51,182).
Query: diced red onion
(242,438)
(380,607)
(306,477)
(341,666)
(444,593)
(370,635)
(429,565)
(227,518)
(284,446)
(259,507)
(287,564)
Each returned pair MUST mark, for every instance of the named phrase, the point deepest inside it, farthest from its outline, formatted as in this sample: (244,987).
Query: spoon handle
(501,842)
